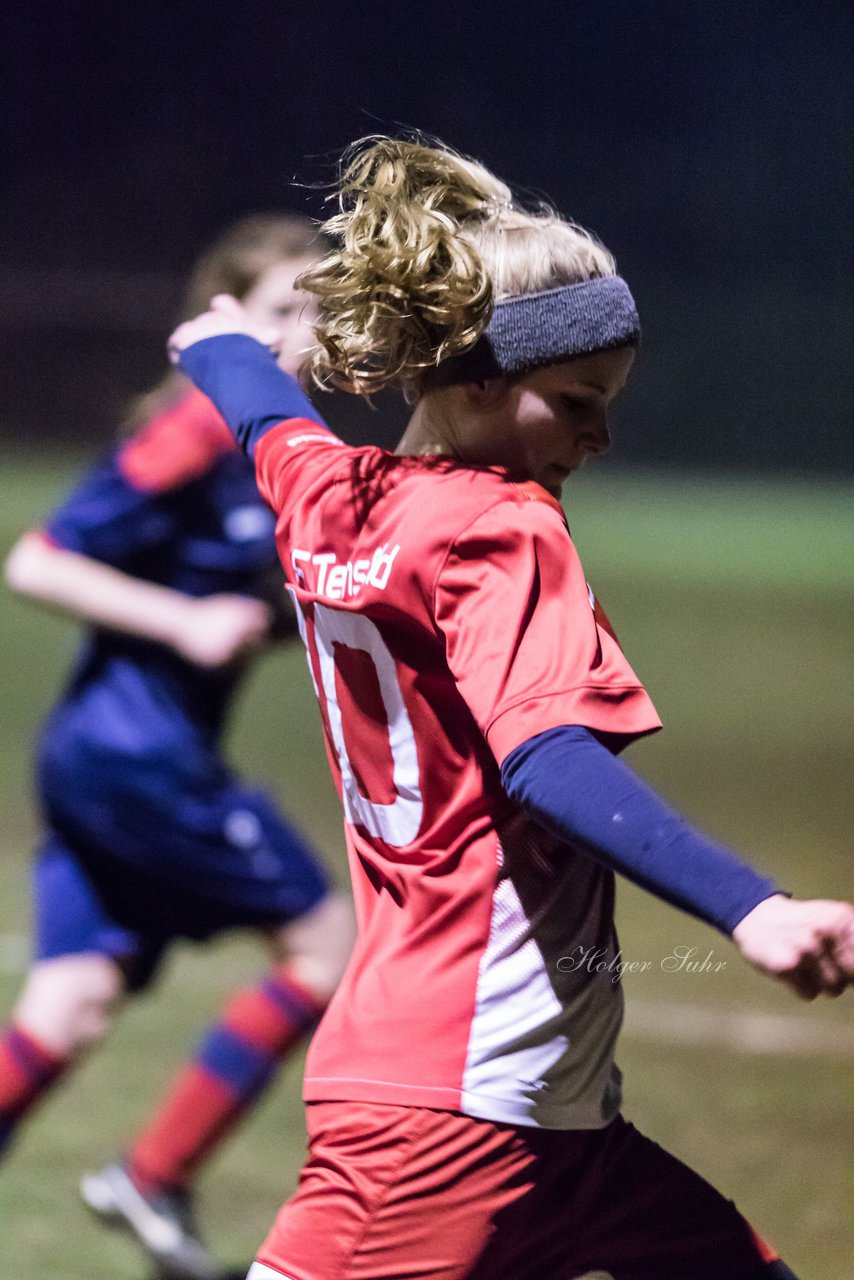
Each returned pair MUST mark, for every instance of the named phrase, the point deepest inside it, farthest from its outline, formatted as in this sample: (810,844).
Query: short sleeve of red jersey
(123,506)
(290,452)
(177,445)
(525,641)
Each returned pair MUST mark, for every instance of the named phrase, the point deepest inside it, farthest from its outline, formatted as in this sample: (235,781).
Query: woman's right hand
(214,630)
(226,315)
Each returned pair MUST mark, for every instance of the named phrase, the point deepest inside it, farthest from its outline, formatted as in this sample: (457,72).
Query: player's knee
(69,1002)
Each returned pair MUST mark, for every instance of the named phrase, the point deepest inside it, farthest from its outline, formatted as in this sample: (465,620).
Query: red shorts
(403,1193)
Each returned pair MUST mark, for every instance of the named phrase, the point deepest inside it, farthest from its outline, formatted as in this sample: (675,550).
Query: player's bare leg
(68,1003)
(66,1006)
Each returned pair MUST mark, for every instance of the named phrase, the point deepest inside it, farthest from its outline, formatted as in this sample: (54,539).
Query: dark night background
(707,145)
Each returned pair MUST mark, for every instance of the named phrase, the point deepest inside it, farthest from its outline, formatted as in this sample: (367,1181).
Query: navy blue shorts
(127,874)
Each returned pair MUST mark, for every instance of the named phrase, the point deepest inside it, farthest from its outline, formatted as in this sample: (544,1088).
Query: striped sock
(27,1071)
(235,1061)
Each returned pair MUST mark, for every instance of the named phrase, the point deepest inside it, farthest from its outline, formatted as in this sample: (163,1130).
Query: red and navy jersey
(447,620)
(176,504)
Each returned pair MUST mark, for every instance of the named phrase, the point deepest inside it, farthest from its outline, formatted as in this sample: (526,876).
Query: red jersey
(447,620)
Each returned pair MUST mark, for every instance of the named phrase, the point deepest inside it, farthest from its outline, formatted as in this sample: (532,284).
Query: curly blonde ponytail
(427,240)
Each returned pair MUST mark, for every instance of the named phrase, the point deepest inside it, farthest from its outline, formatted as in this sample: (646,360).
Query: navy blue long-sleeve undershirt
(577,789)
(243,380)
(565,778)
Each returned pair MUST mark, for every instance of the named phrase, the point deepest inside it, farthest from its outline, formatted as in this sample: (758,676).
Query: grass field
(730,599)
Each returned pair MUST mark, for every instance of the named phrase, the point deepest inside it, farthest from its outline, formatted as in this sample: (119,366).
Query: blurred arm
(208,631)
(93,592)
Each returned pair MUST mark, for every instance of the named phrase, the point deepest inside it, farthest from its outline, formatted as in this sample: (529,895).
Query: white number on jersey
(396,823)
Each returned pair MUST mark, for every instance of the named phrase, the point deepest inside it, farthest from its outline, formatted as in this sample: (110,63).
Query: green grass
(730,599)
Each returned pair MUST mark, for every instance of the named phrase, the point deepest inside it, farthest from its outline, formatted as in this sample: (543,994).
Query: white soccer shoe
(162,1223)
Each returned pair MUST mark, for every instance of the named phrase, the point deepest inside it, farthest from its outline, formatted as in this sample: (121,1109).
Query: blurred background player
(166,551)
(477,697)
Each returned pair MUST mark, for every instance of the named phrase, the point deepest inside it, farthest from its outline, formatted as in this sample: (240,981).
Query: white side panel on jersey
(396,823)
(259,1272)
(514,1001)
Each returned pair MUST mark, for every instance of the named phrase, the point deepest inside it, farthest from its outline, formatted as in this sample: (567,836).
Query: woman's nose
(596,437)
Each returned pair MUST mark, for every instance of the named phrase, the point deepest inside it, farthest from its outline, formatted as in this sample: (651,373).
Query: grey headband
(534,329)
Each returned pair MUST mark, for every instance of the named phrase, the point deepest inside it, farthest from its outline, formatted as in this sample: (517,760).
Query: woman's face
(274,303)
(546,424)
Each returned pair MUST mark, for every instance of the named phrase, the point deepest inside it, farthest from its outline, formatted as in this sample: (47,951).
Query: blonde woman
(463,1097)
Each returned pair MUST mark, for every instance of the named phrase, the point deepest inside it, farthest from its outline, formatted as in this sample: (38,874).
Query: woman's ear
(487,393)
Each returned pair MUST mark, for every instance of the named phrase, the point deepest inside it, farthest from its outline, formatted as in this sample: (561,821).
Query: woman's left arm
(574,786)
